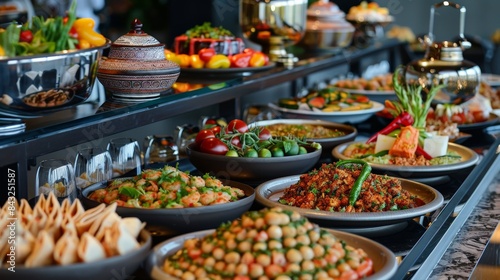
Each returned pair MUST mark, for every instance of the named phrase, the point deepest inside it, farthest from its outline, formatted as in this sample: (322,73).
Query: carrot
(406,143)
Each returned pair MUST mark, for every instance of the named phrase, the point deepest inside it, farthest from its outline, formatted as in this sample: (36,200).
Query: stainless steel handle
(464,43)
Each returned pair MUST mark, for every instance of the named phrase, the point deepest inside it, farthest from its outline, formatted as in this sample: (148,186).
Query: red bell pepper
(404,119)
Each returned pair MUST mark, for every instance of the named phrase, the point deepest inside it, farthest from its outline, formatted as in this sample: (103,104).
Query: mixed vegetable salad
(49,35)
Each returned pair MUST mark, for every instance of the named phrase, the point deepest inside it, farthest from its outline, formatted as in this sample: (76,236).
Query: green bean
(363,175)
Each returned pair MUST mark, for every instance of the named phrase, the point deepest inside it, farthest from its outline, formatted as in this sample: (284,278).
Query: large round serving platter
(233,71)
(182,220)
(384,260)
(469,159)
(327,144)
(252,170)
(105,269)
(367,223)
(492,120)
(339,116)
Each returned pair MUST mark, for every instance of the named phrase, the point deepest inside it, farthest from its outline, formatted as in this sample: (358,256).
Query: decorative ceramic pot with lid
(136,66)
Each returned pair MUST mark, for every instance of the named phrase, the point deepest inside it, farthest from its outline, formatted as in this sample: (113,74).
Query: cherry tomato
(235,141)
(240,60)
(202,135)
(26,36)
(362,99)
(216,129)
(258,59)
(236,125)
(479,116)
(264,134)
(213,146)
(232,153)
(206,53)
(218,61)
(72,33)
(248,50)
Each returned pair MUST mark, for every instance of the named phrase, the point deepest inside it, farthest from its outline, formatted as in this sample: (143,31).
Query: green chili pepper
(379,154)
(365,172)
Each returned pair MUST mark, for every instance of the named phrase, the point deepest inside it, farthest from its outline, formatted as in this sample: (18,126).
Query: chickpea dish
(271,243)
(167,188)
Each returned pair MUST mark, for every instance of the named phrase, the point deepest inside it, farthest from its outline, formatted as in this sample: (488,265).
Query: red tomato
(237,125)
(235,141)
(213,146)
(216,129)
(202,135)
(240,60)
(458,118)
(248,50)
(362,99)
(206,53)
(26,36)
(258,59)
(264,134)
(479,116)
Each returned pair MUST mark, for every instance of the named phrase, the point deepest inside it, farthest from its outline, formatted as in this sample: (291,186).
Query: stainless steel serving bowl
(328,39)
(43,83)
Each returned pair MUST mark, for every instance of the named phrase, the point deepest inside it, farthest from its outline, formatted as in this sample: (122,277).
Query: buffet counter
(434,240)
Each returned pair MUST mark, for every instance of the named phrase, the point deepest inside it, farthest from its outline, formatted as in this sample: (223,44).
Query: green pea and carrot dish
(336,191)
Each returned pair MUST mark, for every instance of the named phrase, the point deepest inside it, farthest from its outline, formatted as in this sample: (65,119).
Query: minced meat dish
(328,188)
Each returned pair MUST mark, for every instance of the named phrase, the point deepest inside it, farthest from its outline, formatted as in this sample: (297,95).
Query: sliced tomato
(213,146)
(240,60)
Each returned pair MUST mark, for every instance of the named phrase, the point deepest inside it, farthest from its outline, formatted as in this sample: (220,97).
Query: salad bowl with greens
(48,64)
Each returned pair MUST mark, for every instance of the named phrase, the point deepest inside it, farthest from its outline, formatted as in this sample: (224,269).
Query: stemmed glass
(57,176)
(125,155)
(92,165)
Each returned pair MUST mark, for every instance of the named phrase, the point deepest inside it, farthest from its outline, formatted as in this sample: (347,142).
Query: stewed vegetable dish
(331,187)
(304,130)
(167,188)
(269,244)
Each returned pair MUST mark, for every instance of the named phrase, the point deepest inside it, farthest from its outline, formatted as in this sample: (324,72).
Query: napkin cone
(90,249)
(42,251)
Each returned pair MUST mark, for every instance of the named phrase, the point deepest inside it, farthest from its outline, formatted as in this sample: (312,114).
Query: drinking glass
(161,149)
(125,155)
(92,165)
(57,176)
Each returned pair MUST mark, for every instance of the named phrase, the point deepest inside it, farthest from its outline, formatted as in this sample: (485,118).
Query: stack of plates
(10,126)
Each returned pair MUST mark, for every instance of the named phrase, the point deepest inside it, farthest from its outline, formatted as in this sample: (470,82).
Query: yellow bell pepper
(85,29)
